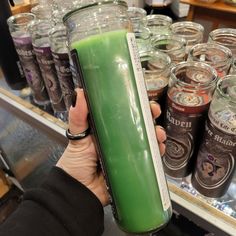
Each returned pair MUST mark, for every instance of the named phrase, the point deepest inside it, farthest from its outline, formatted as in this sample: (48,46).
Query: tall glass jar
(215,164)
(156,69)
(225,37)
(215,55)
(60,53)
(136,15)
(9,60)
(43,10)
(61,7)
(143,39)
(18,26)
(189,94)
(39,30)
(158,24)
(172,45)
(192,32)
(105,52)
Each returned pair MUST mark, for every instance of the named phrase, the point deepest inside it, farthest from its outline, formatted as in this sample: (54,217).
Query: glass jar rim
(143,31)
(169,38)
(223,30)
(204,85)
(227,51)
(220,83)
(218,32)
(159,16)
(99,3)
(39,22)
(151,54)
(137,10)
(189,24)
(11,19)
(56,29)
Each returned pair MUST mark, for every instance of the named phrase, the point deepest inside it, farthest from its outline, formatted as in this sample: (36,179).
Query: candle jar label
(31,68)
(215,162)
(47,66)
(62,66)
(184,117)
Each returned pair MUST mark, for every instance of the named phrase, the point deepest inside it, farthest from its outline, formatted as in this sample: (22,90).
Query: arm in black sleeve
(61,206)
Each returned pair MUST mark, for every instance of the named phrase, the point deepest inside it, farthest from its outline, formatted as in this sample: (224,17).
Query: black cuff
(74,205)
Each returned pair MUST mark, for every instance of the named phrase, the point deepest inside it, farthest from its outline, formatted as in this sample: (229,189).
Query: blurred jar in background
(215,164)
(135,3)
(192,32)
(136,16)
(39,30)
(9,60)
(61,7)
(156,69)
(143,39)
(189,94)
(172,45)
(225,37)
(60,53)
(43,10)
(214,55)
(18,26)
(158,24)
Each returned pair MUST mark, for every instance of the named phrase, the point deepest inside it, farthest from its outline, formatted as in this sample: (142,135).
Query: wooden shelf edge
(33,111)
(218,5)
(24,7)
(202,209)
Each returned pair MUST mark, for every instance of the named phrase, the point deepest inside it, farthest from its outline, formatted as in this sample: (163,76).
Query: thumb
(78,114)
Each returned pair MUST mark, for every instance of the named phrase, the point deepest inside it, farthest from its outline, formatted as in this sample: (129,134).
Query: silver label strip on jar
(156,157)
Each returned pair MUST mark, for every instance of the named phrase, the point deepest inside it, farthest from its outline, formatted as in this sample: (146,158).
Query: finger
(78,114)
(161,134)
(156,109)
(162,148)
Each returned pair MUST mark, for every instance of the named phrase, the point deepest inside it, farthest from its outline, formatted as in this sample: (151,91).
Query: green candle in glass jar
(123,127)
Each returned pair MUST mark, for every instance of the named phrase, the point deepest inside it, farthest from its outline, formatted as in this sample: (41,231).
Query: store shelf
(28,111)
(185,199)
(212,15)
(201,210)
(218,5)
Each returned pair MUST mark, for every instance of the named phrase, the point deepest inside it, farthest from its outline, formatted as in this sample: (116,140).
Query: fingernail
(154,121)
(153,102)
(73,99)
(162,128)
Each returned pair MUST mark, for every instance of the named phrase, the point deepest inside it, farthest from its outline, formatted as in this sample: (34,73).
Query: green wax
(115,107)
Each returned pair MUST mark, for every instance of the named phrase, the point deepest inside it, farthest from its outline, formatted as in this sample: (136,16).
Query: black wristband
(77,136)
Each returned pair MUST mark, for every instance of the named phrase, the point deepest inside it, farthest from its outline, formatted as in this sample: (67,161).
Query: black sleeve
(60,207)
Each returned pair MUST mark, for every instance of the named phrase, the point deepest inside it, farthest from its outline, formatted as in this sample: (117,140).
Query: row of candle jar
(157,65)
(179,48)
(200,126)
(42,51)
(148,26)
(200,122)
(200,141)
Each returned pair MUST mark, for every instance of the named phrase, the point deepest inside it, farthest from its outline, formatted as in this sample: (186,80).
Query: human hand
(160,131)
(80,159)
